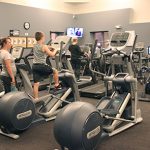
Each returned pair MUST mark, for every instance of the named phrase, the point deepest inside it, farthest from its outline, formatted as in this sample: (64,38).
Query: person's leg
(36,90)
(37,79)
(55,76)
(73,63)
(7,83)
(48,70)
(78,65)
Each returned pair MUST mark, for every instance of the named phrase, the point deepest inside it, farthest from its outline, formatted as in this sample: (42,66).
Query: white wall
(141,10)
(56,5)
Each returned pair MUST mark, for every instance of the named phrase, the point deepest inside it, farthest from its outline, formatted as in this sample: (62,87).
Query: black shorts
(41,71)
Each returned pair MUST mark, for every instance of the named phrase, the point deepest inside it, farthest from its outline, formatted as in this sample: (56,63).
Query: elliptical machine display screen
(121,75)
(119,39)
(117,100)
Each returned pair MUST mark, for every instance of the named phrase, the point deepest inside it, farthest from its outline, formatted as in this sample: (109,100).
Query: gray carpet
(41,137)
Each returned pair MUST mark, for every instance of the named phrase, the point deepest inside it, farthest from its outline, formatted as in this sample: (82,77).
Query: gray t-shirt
(5,55)
(39,55)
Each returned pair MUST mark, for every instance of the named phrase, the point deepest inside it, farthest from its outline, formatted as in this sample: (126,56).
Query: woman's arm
(9,69)
(48,52)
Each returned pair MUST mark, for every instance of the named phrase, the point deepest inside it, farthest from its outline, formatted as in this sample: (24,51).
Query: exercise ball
(78,126)
(17,111)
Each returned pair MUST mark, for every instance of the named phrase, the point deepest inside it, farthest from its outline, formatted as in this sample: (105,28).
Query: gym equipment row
(82,126)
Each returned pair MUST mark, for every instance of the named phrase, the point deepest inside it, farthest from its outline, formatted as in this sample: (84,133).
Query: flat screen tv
(75,32)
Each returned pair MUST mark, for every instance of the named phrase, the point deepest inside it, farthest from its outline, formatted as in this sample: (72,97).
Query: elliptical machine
(18,110)
(81,126)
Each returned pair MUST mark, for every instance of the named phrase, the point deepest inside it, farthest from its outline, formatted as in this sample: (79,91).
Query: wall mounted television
(75,32)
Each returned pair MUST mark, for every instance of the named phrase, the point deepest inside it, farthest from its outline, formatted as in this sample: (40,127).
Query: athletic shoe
(58,87)
(78,80)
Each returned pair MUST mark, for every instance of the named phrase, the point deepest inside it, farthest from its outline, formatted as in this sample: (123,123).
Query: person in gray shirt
(8,72)
(40,68)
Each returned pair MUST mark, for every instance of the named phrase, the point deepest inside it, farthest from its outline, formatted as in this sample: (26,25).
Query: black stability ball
(78,126)
(17,111)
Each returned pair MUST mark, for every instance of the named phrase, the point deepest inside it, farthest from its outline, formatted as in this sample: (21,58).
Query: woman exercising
(8,72)
(40,68)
